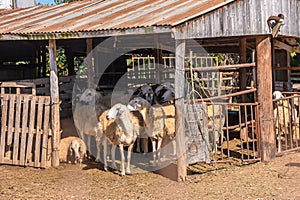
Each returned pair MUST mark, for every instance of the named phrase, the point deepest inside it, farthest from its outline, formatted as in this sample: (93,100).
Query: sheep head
(76,148)
(116,111)
(278,95)
(138,104)
(89,95)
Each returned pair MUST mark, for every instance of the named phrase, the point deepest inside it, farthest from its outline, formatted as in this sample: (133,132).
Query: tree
(63,1)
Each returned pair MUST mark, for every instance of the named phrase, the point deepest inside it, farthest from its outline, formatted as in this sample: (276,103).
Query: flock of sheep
(148,112)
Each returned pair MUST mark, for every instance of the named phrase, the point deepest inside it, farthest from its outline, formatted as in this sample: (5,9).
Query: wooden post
(179,110)
(89,62)
(243,71)
(264,94)
(54,93)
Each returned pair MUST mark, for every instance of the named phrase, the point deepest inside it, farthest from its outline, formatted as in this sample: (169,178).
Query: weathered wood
(55,132)
(24,130)
(243,71)
(90,67)
(55,103)
(11,119)
(264,92)
(46,119)
(17,130)
(32,117)
(4,101)
(179,110)
(224,67)
(37,148)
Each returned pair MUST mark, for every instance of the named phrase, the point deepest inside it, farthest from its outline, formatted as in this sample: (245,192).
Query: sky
(45,2)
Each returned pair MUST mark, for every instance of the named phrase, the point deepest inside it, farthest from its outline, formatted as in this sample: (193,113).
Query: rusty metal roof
(95,15)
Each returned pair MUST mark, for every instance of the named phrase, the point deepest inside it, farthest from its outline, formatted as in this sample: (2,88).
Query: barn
(110,44)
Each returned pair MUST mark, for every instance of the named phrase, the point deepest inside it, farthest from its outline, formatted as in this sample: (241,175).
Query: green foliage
(61,62)
(295,59)
(63,1)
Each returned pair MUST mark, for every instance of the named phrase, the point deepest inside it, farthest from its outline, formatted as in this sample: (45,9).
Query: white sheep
(154,119)
(282,119)
(72,150)
(85,116)
(121,127)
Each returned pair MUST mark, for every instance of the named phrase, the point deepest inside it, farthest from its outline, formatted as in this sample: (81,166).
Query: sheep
(169,135)
(121,127)
(72,150)
(164,94)
(154,119)
(282,119)
(216,121)
(85,116)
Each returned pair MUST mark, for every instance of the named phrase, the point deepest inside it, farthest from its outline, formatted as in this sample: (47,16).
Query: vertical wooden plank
(90,66)
(54,93)
(243,71)
(11,118)
(37,149)
(264,92)
(24,129)
(45,132)
(179,110)
(17,130)
(3,126)
(31,131)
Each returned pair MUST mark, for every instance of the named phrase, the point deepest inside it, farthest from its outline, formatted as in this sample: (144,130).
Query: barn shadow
(169,172)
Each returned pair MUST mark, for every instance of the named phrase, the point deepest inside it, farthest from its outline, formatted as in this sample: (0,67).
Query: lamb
(121,128)
(154,119)
(164,94)
(72,150)
(85,115)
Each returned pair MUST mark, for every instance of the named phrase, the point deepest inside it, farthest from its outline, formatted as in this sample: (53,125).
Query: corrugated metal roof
(95,15)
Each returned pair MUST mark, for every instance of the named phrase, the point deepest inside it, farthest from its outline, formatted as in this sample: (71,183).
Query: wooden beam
(179,108)
(54,93)
(243,71)
(264,94)
(282,45)
(287,68)
(89,62)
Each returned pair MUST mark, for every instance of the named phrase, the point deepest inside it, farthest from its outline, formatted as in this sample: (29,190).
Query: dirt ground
(276,180)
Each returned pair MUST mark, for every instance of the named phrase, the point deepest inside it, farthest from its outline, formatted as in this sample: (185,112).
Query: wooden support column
(243,71)
(89,62)
(264,95)
(54,93)
(179,110)
(158,60)
(70,61)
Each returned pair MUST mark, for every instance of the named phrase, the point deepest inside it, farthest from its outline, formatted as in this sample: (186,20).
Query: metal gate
(25,130)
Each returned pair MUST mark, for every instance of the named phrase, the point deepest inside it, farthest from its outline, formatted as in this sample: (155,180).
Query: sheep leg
(154,151)
(145,145)
(129,159)
(122,159)
(113,158)
(159,141)
(138,146)
(105,153)
(98,147)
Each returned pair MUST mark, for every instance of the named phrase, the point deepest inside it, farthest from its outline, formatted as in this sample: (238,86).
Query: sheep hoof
(105,169)
(98,160)
(122,173)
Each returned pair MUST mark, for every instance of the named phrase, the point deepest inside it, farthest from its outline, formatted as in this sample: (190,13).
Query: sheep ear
(70,149)
(80,148)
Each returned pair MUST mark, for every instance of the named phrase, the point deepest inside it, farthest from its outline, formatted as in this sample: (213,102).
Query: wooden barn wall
(247,17)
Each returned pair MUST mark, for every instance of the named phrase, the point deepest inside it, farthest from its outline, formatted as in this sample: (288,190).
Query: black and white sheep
(72,150)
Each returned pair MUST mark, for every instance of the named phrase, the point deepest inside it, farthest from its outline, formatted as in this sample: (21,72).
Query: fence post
(54,93)
(179,110)
(264,95)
